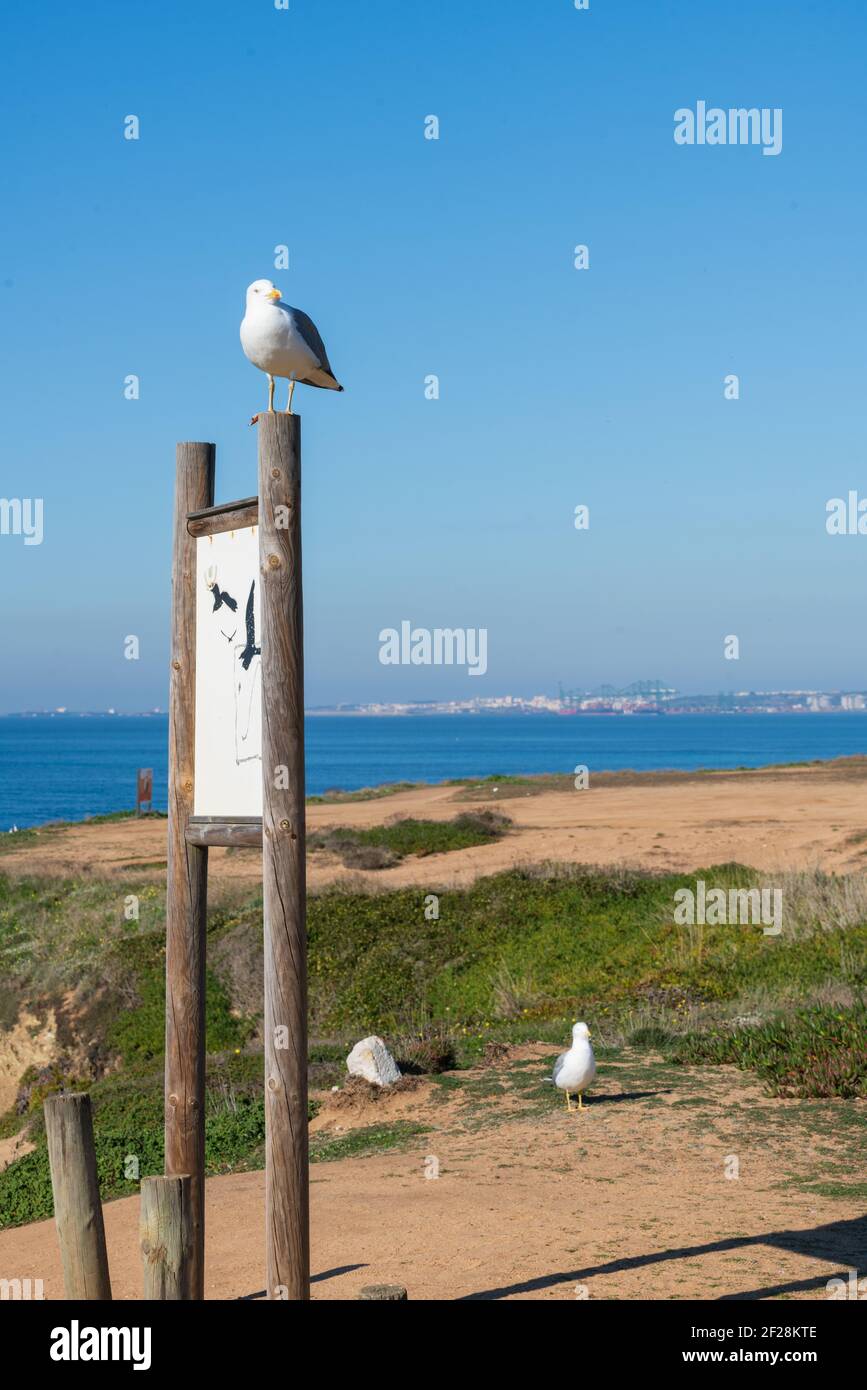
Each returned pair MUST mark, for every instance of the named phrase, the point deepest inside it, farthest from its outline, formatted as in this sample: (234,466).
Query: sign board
(228,777)
(144,788)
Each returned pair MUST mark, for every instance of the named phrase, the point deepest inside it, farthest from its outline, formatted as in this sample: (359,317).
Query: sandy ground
(770,819)
(626,1200)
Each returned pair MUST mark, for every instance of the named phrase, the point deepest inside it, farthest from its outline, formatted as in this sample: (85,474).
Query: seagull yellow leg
(568,1103)
(580,1101)
(289,402)
(270,393)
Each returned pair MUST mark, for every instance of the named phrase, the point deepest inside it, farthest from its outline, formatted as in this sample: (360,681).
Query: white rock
(371,1059)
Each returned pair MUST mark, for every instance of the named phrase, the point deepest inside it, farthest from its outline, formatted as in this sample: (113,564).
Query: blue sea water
(65,767)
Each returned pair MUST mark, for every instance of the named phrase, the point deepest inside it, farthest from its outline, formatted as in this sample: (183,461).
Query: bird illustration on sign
(246,665)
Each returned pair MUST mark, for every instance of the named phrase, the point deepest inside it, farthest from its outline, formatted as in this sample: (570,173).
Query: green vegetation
(446,976)
(128,1134)
(499,788)
(336,796)
(379,846)
(536,945)
(324,1148)
(811,1052)
(553,944)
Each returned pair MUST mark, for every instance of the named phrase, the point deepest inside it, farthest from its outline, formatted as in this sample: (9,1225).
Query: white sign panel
(228,676)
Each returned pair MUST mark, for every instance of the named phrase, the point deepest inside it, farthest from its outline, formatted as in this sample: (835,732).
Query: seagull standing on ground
(574,1070)
(283,341)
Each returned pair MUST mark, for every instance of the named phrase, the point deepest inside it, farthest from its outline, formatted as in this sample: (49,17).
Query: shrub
(427,1051)
(651,1035)
(817,1052)
(355,845)
(355,856)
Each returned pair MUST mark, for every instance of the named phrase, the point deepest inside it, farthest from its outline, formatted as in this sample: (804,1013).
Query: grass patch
(535,946)
(857,1191)
(812,1052)
(379,846)
(336,796)
(128,1137)
(372,1139)
(138,1033)
(651,1036)
(128,1133)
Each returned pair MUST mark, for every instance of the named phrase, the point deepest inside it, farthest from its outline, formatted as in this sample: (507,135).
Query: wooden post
(187,870)
(166,1237)
(77,1208)
(283,851)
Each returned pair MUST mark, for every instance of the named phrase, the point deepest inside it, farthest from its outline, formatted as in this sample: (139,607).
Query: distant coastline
(592,704)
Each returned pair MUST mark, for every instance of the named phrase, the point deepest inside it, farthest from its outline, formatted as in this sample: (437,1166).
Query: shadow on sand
(841,1243)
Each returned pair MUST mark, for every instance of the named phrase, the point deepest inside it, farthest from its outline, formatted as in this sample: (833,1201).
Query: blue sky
(453,257)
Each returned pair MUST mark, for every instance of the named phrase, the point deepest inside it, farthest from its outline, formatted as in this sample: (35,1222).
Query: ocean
(64,767)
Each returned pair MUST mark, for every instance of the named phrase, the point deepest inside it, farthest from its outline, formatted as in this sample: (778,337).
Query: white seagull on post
(283,341)
(574,1070)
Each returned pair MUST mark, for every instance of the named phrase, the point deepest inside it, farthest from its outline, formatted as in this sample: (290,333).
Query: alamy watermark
(22,516)
(846,516)
(739,125)
(850,1288)
(21,1290)
(77,1343)
(440,646)
(733,907)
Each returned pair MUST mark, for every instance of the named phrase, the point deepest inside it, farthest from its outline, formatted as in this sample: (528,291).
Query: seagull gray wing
(307,330)
(558,1064)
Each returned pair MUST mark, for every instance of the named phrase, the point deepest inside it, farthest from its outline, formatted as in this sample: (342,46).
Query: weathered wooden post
(77,1207)
(283,854)
(187,871)
(166,1237)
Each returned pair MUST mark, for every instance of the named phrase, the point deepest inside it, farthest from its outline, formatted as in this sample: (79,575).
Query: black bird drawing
(221,597)
(251,649)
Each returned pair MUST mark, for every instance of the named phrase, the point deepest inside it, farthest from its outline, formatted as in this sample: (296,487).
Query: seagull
(574,1070)
(283,341)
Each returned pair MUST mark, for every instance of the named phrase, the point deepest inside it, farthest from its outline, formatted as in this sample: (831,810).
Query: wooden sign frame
(281,833)
(237,831)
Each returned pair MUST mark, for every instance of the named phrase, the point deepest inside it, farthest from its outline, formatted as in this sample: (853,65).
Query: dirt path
(770,819)
(629,1199)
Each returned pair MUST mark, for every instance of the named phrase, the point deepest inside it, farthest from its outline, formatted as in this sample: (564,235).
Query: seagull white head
(263,292)
(580,1031)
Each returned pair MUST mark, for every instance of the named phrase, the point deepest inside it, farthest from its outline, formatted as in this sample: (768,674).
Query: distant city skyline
(750,701)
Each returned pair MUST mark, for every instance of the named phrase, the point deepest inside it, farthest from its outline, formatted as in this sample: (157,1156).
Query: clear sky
(454,257)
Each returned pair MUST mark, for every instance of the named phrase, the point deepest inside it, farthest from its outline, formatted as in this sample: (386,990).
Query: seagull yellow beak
(273,294)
